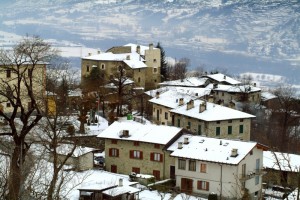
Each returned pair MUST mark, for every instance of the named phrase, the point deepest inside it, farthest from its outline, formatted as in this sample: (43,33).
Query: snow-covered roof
(212,112)
(187,82)
(235,89)
(283,161)
(223,78)
(157,134)
(64,149)
(121,190)
(265,96)
(211,149)
(169,96)
(75,93)
(133,60)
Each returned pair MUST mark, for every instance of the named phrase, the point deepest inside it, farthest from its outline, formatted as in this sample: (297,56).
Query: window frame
(203,167)
(181,164)
(192,165)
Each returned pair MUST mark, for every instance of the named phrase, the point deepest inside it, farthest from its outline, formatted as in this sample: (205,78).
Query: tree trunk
(51,189)
(15,181)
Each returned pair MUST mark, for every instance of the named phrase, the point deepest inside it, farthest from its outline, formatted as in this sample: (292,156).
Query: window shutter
(131,153)
(110,152)
(141,154)
(152,156)
(199,185)
(117,153)
(207,186)
(161,157)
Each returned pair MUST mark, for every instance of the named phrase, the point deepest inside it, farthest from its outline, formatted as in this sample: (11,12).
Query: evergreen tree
(163,62)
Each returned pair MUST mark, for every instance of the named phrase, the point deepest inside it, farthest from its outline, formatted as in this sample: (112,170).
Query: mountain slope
(238,35)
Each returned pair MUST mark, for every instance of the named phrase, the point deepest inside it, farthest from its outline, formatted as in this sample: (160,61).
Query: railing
(251,174)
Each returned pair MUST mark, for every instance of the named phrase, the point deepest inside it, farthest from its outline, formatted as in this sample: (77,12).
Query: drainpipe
(164,163)
(221,180)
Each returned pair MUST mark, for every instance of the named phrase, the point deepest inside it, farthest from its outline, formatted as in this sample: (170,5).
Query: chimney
(179,145)
(99,51)
(157,95)
(151,46)
(215,85)
(138,49)
(186,140)
(128,57)
(125,133)
(234,152)
(224,77)
(202,107)
(190,104)
(254,84)
(90,54)
(181,101)
(120,182)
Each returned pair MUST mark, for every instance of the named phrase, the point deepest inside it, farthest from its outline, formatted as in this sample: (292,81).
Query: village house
(220,78)
(191,82)
(282,169)
(205,118)
(227,168)
(134,147)
(229,95)
(9,76)
(168,98)
(142,64)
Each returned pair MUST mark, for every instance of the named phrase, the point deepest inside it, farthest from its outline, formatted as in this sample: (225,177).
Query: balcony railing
(251,174)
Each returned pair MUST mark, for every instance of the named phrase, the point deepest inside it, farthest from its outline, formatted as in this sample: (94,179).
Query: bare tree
(22,83)
(181,68)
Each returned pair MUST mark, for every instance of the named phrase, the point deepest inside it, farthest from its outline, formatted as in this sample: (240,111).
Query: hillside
(246,35)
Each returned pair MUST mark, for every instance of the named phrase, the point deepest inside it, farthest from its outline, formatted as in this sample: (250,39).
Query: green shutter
(229,130)
(241,128)
(199,130)
(218,131)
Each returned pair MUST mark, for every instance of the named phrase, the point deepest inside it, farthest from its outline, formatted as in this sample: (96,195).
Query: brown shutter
(199,185)
(161,157)
(131,153)
(109,152)
(117,153)
(207,186)
(141,153)
(151,156)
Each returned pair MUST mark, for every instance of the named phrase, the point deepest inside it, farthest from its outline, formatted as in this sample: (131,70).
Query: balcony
(251,174)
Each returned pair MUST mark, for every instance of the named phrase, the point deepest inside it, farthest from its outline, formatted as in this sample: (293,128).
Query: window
(139,70)
(199,130)
(156,157)
(218,122)
(218,131)
(87,68)
(156,174)
(229,121)
(222,93)
(155,70)
(178,122)
(203,168)
(241,120)
(155,80)
(166,115)
(114,141)
(154,60)
(256,180)
(8,73)
(229,130)
(136,154)
(136,170)
(113,168)
(157,146)
(192,165)
(241,128)
(189,125)
(102,66)
(113,152)
(139,79)
(8,105)
(203,185)
(181,164)
(136,143)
